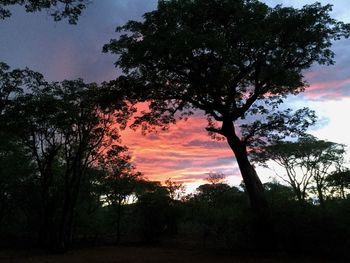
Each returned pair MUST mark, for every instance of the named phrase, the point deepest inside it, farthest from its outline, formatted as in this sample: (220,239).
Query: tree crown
(230,59)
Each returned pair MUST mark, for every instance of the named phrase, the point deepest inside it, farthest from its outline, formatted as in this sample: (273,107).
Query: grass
(135,255)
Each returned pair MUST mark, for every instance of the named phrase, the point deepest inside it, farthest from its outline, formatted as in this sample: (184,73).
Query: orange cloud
(185,153)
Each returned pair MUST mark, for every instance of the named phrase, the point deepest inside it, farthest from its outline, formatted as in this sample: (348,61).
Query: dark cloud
(165,163)
(220,161)
(62,51)
(208,144)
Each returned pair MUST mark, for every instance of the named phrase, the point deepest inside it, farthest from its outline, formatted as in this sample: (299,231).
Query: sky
(184,153)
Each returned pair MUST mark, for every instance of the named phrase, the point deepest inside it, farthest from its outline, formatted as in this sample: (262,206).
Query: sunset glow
(185,153)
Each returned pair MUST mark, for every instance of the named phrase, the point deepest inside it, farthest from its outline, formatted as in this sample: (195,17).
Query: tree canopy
(234,60)
(188,54)
(65,132)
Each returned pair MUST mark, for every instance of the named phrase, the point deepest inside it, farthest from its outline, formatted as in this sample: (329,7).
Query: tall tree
(86,132)
(235,60)
(29,115)
(66,131)
(322,159)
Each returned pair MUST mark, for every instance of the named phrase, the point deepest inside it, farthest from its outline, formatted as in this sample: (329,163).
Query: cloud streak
(185,152)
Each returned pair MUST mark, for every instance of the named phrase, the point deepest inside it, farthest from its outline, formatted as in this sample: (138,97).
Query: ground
(137,255)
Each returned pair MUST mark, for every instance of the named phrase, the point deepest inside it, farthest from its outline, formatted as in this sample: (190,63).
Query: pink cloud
(327,84)
(335,89)
(184,153)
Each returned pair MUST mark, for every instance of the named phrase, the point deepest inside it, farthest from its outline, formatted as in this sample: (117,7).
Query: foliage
(307,163)
(153,212)
(339,181)
(176,190)
(119,181)
(59,9)
(15,172)
(65,131)
(181,58)
(217,216)
(215,178)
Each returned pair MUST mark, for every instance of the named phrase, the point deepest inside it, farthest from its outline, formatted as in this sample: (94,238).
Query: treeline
(66,180)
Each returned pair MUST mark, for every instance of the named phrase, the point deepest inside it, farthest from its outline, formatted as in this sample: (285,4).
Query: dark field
(137,255)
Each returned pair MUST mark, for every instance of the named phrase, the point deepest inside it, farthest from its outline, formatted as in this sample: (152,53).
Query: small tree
(339,181)
(215,178)
(211,193)
(307,162)
(176,190)
(152,210)
(119,182)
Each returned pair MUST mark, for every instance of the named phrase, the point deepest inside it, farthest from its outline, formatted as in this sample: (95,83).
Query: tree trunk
(299,194)
(320,195)
(119,209)
(47,213)
(65,234)
(342,192)
(262,224)
(65,228)
(251,180)
(47,226)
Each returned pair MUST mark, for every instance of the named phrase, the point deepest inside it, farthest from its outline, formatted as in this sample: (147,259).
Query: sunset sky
(185,152)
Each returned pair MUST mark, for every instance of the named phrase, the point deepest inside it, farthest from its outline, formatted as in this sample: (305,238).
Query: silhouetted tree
(66,131)
(211,193)
(216,212)
(278,193)
(31,118)
(307,163)
(234,60)
(153,206)
(59,9)
(340,181)
(119,181)
(176,190)
(215,178)
(87,132)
